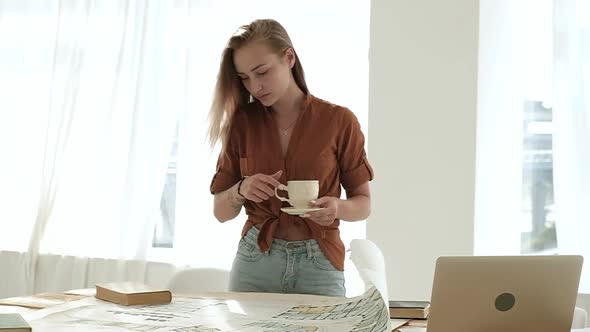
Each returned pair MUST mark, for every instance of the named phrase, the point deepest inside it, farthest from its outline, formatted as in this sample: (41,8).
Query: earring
(251,99)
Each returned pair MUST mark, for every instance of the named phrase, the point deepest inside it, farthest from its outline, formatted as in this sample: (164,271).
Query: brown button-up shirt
(326,144)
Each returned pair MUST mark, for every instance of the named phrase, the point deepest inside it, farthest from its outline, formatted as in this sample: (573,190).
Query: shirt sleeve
(355,169)
(228,166)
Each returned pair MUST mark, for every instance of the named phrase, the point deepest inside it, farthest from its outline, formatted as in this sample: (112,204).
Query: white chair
(370,263)
(199,280)
(580,318)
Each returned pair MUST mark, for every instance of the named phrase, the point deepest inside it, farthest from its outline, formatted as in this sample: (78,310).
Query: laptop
(504,293)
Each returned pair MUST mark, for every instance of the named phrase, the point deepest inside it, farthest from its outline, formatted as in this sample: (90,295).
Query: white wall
(422,120)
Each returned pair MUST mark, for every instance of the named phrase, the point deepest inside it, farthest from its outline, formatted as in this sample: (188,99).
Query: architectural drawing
(246,313)
(368,307)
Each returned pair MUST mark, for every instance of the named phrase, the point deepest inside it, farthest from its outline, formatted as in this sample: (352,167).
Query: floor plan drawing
(244,313)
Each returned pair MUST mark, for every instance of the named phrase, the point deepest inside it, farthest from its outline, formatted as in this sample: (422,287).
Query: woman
(273,130)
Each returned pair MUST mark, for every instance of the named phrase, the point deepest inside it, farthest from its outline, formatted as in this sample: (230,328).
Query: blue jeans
(288,267)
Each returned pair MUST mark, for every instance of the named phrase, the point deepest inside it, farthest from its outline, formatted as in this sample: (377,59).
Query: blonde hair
(230,94)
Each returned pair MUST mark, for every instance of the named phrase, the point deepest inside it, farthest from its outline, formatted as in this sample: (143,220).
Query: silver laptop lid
(504,293)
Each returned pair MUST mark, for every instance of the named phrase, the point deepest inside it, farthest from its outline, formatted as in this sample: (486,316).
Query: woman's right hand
(260,187)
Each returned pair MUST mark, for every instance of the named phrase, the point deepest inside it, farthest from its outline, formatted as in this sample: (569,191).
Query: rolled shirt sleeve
(228,167)
(355,169)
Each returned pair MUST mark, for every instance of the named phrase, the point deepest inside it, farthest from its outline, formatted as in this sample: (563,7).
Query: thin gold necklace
(285,131)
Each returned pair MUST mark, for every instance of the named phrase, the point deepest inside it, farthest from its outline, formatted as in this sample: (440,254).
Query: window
(538,232)
(127,90)
(187,230)
(164,229)
(514,167)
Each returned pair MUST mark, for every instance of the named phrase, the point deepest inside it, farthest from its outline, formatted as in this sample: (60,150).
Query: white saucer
(295,211)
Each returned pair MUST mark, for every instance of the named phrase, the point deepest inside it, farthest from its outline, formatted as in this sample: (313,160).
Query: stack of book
(409,309)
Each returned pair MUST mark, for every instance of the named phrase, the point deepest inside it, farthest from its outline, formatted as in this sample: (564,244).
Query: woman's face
(265,74)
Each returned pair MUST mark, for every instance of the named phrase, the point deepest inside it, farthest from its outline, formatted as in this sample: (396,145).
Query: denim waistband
(301,246)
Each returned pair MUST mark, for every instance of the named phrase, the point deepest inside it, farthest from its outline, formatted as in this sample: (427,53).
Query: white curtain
(86,89)
(26,63)
(119,60)
(514,66)
(499,129)
(91,94)
(571,138)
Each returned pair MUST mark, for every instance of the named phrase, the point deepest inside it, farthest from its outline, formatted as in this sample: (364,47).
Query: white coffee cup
(301,192)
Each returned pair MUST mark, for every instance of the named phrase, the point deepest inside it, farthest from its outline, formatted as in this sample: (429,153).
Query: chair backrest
(370,263)
(199,280)
(580,318)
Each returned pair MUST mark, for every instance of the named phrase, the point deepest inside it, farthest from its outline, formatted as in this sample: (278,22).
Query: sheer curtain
(535,50)
(499,129)
(571,109)
(87,89)
(120,58)
(91,94)
(514,66)
(26,67)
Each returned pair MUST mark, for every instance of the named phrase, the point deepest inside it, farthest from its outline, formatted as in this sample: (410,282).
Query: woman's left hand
(328,214)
